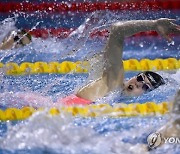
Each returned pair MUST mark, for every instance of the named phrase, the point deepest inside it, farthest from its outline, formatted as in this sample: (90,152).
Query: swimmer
(172,128)
(113,72)
(16,39)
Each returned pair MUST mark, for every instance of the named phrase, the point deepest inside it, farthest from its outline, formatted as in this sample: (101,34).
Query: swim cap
(155,79)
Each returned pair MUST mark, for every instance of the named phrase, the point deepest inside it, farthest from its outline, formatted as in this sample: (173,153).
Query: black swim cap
(155,79)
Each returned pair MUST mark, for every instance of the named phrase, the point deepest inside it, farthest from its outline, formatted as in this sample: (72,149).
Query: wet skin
(133,87)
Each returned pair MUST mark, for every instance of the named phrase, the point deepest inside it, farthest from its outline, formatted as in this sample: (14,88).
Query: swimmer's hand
(165,26)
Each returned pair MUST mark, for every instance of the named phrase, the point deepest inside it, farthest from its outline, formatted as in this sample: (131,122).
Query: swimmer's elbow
(118,29)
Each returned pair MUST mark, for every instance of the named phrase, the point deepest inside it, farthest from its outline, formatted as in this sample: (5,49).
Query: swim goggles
(140,78)
(18,39)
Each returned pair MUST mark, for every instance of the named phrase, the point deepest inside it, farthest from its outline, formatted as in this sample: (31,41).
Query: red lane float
(51,32)
(7,7)
(64,32)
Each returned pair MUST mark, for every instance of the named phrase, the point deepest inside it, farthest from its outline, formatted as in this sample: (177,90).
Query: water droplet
(171,43)
(50,8)
(141,45)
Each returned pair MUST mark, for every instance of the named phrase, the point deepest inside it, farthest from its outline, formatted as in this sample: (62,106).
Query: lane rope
(64,67)
(156,5)
(101,110)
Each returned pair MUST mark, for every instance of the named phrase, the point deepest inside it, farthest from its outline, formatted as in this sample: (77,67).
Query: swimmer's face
(16,39)
(137,85)
(21,40)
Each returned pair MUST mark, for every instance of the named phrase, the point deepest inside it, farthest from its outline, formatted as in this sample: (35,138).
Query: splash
(68,135)
(65,134)
(7,25)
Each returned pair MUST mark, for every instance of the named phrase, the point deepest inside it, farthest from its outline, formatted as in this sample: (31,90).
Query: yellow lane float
(64,67)
(93,110)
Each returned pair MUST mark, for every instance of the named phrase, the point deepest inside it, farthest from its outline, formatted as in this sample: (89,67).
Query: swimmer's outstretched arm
(163,26)
(113,74)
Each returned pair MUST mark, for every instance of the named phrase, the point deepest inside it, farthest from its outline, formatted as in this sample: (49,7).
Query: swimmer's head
(21,38)
(16,39)
(143,82)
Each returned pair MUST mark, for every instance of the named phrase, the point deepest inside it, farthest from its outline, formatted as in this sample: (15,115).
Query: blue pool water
(76,135)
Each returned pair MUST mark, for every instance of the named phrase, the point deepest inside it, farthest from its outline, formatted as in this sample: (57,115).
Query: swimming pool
(64,133)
